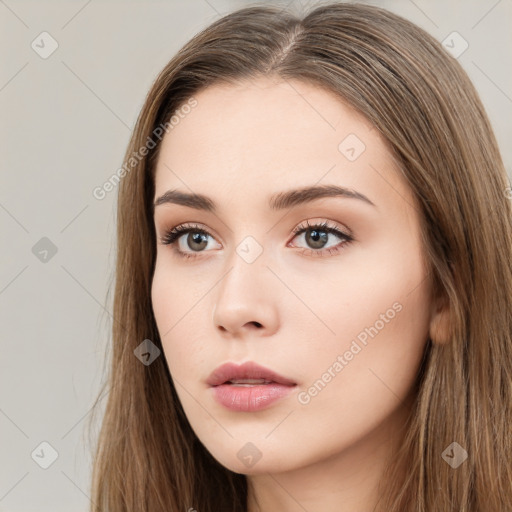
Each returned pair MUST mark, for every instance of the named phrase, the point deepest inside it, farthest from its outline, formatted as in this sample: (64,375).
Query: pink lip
(249,370)
(248,398)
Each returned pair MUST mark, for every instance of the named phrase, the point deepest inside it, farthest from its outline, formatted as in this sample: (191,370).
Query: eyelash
(172,236)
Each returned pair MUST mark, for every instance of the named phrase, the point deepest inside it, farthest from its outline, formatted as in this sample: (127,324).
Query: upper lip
(248,370)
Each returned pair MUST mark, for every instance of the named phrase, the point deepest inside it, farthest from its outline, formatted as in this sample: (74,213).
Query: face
(327,291)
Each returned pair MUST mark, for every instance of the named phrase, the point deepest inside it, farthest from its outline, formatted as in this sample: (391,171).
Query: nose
(247,300)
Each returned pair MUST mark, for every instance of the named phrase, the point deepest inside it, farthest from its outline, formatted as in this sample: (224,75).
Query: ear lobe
(440,324)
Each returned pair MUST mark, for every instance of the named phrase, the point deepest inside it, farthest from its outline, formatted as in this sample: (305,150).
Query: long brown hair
(424,105)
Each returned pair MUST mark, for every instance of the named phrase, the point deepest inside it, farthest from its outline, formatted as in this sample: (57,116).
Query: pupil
(197,238)
(319,240)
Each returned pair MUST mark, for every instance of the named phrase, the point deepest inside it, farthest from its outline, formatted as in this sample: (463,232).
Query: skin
(240,145)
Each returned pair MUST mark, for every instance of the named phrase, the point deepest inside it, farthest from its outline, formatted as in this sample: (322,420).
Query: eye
(197,239)
(316,235)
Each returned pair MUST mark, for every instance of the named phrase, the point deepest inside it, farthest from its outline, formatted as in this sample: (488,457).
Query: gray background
(66,121)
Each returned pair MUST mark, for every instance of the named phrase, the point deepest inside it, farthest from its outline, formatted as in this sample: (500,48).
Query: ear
(440,322)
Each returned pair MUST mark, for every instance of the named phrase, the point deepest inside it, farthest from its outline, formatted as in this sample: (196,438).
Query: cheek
(166,308)
(176,307)
(381,325)
(163,299)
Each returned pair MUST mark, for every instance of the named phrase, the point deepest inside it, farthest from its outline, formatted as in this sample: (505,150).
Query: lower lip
(249,398)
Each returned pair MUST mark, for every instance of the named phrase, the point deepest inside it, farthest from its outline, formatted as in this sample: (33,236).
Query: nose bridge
(243,294)
(246,273)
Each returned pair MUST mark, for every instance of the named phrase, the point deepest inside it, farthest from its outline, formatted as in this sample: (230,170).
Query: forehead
(282,110)
(271,134)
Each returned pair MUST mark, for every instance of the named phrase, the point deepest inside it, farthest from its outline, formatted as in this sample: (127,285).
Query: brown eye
(317,236)
(196,240)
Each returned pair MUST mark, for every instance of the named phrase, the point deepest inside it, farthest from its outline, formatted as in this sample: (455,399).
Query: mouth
(247,374)
(248,387)
(248,383)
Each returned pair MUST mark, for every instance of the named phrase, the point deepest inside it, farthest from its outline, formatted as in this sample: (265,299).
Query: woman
(345,341)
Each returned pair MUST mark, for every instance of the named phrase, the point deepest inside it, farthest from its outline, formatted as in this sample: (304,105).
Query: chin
(249,460)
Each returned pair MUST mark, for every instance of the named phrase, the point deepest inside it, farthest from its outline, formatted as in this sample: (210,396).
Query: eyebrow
(279,201)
